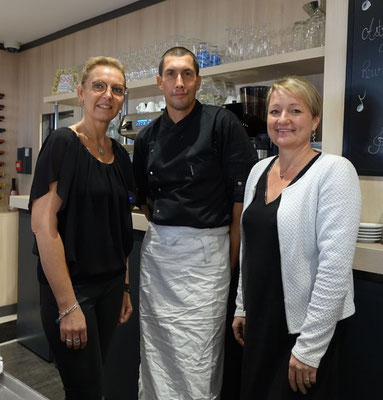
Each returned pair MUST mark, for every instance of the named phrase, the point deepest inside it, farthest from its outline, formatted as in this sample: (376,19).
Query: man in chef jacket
(191,166)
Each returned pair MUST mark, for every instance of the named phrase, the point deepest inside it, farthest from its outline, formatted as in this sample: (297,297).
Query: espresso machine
(253,114)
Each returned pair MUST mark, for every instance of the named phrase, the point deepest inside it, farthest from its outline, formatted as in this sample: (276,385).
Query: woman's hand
(73,330)
(126,308)
(238,326)
(301,376)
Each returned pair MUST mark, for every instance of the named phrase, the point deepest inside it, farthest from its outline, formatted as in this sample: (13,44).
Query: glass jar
(203,55)
(316,29)
(299,35)
(215,56)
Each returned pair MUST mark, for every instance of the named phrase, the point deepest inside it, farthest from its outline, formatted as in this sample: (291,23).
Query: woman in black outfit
(298,233)
(81,217)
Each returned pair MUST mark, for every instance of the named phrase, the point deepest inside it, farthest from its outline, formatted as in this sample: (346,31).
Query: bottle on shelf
(2,163)
(1,196)
(2,174)
(2,130)
(2,185)
(2,95)
(2,141)
(2,106)
(2,152)
(14,192)
(1,117)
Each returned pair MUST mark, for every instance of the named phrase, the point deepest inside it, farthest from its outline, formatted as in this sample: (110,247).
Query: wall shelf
(303,62)
(67,99)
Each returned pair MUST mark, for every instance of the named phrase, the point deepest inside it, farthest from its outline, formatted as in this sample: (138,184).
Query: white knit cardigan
(317,219)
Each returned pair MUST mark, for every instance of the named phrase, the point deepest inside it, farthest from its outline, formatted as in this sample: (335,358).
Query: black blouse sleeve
(55,163)
(238,154)
(139,167)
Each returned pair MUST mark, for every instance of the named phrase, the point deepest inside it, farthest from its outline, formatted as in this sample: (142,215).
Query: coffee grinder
(253,115)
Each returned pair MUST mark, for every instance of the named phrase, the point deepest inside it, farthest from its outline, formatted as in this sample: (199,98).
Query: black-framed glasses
(101,87)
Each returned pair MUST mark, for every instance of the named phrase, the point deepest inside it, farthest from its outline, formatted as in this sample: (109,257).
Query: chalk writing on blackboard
(371,72)
(374,31)
(366,5)
(363,122)
(360,107)
(377,143)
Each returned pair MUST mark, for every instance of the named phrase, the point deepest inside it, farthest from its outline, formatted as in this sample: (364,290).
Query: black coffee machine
(252,113)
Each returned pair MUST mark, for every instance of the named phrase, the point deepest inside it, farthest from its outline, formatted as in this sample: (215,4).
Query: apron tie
(206,248)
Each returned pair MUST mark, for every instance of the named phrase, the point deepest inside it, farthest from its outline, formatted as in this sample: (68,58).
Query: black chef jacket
(190,173)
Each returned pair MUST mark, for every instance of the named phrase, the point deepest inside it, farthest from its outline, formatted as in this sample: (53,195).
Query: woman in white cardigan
(299,228)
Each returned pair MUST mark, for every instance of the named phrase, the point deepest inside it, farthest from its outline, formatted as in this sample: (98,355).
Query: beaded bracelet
(67,312)
(127,288)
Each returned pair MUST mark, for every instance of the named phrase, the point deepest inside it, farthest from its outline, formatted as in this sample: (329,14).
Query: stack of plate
(369,232)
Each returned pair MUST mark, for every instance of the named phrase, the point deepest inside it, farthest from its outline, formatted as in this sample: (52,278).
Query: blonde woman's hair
(301,88)
(94,62)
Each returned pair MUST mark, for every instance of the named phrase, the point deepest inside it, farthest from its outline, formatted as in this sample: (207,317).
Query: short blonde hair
(301,88)
(94,62)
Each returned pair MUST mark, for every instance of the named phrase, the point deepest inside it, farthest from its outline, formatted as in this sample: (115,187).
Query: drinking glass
(299,35)
(219,92)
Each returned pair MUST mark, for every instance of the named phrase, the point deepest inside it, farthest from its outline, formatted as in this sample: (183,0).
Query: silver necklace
(101,150)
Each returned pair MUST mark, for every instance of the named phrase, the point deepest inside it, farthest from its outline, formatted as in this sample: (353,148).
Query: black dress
(268,344)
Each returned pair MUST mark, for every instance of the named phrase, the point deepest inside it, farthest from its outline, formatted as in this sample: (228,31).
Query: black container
(254,101)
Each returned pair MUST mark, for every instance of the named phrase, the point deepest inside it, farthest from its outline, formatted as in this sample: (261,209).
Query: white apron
(184,285)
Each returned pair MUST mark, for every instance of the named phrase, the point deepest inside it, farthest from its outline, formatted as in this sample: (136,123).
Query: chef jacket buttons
(159,189)
(151,172)
(239,183)
(157,211)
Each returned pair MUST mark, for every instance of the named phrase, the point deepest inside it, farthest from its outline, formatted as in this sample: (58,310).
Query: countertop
(140,223)
(368,257)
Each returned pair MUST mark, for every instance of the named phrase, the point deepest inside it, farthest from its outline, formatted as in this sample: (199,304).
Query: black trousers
(81,371)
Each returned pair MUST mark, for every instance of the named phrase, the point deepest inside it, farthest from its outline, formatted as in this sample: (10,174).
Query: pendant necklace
(282,174)
(100,150)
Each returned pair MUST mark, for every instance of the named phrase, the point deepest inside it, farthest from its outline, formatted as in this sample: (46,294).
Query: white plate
(370,225)
(374,230)
(370,236)
(363,240)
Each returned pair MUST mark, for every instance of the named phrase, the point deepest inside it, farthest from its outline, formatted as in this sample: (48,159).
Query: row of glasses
(261,40)
(242,43)
(143,63)
(255,41)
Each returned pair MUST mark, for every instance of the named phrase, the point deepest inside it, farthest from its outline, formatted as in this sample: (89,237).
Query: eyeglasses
(101,87)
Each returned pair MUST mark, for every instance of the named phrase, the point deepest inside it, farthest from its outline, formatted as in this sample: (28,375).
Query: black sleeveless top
(94,221)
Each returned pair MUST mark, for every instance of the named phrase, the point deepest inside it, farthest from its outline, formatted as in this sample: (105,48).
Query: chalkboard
(363,118)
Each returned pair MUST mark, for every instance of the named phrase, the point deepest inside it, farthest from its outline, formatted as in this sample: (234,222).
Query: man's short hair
(178,52)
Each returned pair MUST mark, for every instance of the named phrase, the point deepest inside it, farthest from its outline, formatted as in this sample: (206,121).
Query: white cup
(230,99)
(162,104)
(157,106)
(141,108)
(150,107)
